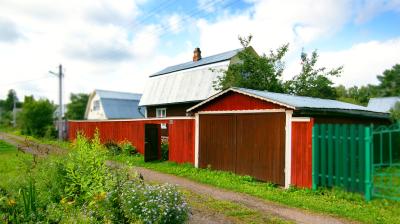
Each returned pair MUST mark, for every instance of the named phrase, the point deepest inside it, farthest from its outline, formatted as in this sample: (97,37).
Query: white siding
(96,114)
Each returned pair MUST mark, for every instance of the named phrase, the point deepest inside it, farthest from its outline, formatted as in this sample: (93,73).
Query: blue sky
(116,45)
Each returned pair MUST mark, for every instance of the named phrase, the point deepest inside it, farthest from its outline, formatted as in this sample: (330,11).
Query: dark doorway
(152,142)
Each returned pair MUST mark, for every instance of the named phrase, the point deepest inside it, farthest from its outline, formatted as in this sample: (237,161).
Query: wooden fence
(180,131)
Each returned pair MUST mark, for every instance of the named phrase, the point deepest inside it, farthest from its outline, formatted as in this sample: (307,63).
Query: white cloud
(363,61)
(174,23)
(370,8)
(275,22)
(209,5)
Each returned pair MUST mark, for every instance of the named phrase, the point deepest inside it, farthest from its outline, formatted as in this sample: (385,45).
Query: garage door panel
(260,138)
(217,142)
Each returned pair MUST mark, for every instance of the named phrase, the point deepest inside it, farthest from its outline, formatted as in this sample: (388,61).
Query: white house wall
(98,114)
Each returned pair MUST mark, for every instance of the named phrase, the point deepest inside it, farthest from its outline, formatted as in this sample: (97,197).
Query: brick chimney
(196,54)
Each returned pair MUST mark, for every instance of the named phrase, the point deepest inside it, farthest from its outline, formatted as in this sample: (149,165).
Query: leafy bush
(85,169)
(113,147)
(164,152)
(153,203)
(128,148)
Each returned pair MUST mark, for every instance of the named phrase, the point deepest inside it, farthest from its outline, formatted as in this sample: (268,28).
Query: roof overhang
(233,89)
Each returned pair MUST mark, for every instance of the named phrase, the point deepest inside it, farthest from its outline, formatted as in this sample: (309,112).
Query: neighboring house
(171,91)
(382,104)
(107,105)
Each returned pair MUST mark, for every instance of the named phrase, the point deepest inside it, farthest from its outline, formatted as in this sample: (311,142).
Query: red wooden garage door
(247,144)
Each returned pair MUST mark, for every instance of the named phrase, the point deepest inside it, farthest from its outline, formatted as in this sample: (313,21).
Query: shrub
(153,203)
(128,148)
(113,148)
(85,169)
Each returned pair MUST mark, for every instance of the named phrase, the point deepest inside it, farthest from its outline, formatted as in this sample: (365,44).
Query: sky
(116,45)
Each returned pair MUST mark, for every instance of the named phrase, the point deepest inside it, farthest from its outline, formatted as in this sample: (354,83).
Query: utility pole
(14,110)
(60,76)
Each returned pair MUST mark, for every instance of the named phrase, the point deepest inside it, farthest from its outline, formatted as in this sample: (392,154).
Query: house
(383,104)
(267,135)
(107,105)
(171,91)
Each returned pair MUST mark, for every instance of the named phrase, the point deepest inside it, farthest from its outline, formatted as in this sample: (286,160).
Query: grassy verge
(333,202)
(232,211)
(12,166)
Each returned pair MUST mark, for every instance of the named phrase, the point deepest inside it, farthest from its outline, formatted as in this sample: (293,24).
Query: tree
(36,116)
(8,103)
(76,108)
(356,95)
(253,71)
(390,82)
(395,112)
(312,81)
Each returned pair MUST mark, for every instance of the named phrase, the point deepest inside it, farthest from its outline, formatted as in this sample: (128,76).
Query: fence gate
(386,162)
(342,157)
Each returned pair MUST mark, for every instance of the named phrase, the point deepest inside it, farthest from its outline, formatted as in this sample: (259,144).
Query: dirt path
(286,213)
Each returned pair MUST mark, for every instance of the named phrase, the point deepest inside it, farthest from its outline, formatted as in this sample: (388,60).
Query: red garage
(266,135)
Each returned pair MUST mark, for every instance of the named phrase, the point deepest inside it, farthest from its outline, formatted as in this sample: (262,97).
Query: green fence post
(368,164)
(314,150)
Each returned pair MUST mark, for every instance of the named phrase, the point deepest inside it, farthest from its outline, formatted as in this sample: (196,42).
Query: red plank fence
(180,134)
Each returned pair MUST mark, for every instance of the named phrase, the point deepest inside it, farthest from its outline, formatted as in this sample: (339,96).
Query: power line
(23,81)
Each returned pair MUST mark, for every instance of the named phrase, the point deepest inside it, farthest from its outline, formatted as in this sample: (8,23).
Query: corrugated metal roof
(382,104)
(204,61)
(300,102)
(191,85)
(107,94)
(120,108)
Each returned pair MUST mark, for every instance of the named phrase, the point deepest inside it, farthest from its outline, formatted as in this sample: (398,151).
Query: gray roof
(120,105)
(107,94)
(203,61)
(303,102)
(382,104)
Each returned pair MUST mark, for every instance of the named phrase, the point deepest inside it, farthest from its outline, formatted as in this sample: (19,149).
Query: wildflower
(11,202)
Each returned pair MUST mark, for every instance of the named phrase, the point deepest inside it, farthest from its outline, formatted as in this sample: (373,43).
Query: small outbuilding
(108,105)
(267,135)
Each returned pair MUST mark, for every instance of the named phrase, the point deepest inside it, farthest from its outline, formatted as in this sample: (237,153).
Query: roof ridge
(201,62)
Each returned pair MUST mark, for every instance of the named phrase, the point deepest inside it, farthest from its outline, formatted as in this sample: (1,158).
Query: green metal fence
(342,157)
(386,162)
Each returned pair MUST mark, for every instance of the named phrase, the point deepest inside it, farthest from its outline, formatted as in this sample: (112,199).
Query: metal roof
(191,85)
(203,61)
(120,108)
(107,94)
(297,102)
(382,104)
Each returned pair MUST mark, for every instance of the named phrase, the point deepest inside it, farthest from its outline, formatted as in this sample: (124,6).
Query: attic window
(161,112)
(96,105)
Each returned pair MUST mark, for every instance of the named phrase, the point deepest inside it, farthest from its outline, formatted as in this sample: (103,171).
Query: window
(96,105)
(161,112)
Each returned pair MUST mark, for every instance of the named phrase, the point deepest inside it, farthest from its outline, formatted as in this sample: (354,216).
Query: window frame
(161,112)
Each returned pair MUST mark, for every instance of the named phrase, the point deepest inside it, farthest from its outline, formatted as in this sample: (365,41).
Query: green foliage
(334,202)
(8,103)
(153,203)
(253,71)
(312,81)
(85,169)
(127,148)
(390,82)
(356,95)
(36,116)
(113,147)
(123,147)
(164,151)
(395,112)
(76,108)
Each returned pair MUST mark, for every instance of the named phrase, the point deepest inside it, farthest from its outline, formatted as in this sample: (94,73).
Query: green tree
(395,112)
(36,116)
(390,82)
(76,108)
(253,71)
(356,95)
(8,103)
(312,81)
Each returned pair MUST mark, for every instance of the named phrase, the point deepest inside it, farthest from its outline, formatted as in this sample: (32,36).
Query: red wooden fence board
(237,101)
(302,153)
(181,134)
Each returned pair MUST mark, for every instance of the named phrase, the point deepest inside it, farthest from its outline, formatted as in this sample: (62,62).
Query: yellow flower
(100,196)
(11,202)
